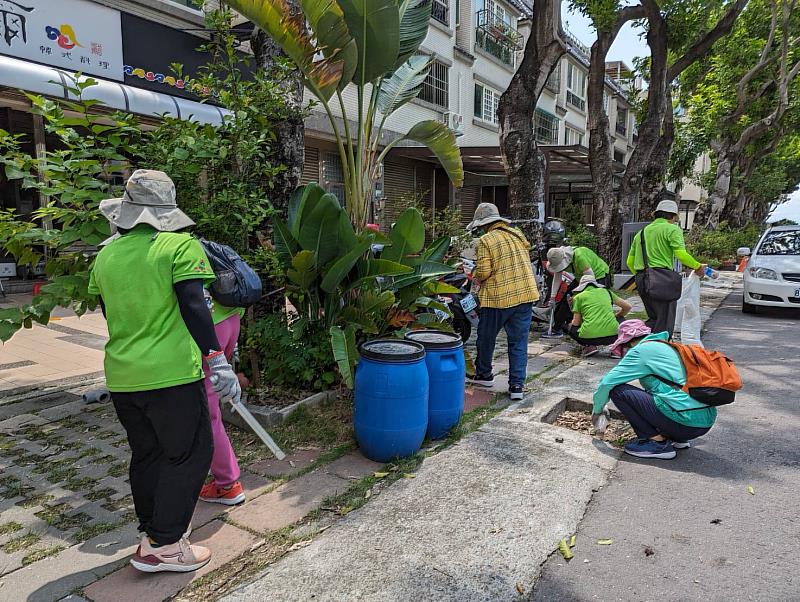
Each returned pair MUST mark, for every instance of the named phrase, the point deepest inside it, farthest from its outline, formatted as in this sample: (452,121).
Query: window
(435,88)
(573,136)
(619,156)
(333,175)
(545,126)
(188,4)
(486,103)
(440,10)
(576,87)
(786,242)
(622,122)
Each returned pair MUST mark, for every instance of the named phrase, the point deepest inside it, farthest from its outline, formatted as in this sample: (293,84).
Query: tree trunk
(653,185)
(289,148)
(524,162)
(710,212)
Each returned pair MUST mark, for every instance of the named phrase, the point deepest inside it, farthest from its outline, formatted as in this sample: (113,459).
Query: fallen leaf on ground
(563,547)
(648,551)
(520,589)
(716,521)
(380,475)
(605,542)
(572,541)
(300,544)
(105,545)
(368,494)
(750,490)
(409,475)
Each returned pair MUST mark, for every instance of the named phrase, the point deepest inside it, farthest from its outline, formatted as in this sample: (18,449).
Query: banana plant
(336,280)
(373,45)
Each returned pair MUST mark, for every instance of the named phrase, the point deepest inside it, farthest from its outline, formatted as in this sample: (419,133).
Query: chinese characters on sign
(75,35)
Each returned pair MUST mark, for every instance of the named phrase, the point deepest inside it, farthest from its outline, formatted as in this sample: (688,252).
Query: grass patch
(80,484)
(61,474)
(107,459)
(100,494)
(36,500)
(38,555)
(11,527)
(51,514)
(327,426)
(118,470)
(120,504)
(89,531)
(66,523)
(20,543)
(90,451)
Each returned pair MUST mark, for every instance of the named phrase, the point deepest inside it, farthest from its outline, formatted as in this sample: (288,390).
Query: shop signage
(75,35)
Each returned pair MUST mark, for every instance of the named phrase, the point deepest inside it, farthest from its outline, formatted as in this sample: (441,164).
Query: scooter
(463,304)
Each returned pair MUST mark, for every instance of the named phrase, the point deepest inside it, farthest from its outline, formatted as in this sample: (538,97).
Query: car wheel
(749,308)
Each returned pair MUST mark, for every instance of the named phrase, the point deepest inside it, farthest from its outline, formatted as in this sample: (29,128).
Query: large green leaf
(285,244)
(358,317)
(287,28)
(375,26)
(343,344)
(437,249)
(302,198)
(342,266)
(414,18)
(369,269)
(319,229)
(442,141)
(407,235)
(326,19)
(303,273)
(375,302)
(404,84)
(427,270)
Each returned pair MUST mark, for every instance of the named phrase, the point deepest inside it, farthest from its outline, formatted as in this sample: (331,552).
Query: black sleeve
(102,306)
(195,314)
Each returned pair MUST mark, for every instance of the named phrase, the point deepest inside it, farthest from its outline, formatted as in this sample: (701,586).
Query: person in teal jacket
(664,418)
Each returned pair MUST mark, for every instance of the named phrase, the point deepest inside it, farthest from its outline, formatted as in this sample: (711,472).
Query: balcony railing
(576,101)
(441,11)
(497,37)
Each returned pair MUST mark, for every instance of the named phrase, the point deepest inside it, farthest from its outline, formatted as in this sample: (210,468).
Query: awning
(32,77)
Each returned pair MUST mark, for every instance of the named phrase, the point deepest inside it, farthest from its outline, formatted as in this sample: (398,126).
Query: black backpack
(237,284)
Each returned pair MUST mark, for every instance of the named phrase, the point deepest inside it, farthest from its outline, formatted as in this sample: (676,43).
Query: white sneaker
(179,557)
(681,444)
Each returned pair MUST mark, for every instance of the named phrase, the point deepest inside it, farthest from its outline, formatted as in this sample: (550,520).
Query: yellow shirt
(504,269)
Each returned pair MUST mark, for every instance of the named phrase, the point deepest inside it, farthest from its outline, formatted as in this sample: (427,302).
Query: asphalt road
(688,529)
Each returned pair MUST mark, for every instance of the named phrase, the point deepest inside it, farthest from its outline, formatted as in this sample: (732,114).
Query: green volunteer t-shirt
(664,241)
(149,346)
(582,258)
(595,306)
(220,313)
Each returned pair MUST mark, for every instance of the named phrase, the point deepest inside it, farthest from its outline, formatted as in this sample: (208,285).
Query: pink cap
(628,330)
(374,227)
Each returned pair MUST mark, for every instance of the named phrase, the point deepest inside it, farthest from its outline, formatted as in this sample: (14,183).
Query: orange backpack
(711,378)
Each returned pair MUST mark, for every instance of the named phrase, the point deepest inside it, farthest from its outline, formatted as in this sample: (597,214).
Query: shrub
(715,246)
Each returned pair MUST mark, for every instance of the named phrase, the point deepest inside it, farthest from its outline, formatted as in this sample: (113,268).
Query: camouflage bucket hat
(149,198)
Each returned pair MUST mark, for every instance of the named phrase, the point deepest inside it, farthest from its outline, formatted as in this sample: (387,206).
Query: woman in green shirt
(664,417)
(594,320)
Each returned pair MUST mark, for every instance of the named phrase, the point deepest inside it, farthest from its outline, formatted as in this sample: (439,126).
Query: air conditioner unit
(455,121)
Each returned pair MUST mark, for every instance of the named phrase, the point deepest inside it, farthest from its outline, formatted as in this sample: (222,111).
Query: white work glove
(223,378)
(600,421)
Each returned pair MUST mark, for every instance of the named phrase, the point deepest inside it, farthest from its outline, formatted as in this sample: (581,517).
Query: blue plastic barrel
(444,357)
(390,413)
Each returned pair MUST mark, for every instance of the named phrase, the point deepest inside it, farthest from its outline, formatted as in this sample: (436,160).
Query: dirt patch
(618,433)
(276,397)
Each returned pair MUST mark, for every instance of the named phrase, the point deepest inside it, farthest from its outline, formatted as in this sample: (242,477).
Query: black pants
(573,332)
(562,312)
(661,314)
(170,438)
(646,419)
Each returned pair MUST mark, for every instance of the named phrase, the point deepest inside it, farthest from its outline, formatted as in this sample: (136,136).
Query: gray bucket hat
(486,214)
(558,258)
(586,280)
(149,198)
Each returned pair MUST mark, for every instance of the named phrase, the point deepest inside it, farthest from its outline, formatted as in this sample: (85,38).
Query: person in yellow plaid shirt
(507,293)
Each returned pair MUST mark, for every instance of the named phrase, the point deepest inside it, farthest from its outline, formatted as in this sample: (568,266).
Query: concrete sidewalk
(68,348)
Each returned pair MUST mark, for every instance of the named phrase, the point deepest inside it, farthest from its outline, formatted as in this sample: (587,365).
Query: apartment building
(474,46)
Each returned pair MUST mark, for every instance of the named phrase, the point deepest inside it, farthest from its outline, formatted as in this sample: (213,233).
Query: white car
(772,275)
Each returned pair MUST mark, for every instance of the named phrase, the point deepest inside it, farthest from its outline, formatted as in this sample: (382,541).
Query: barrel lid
(435,339)
(392,350)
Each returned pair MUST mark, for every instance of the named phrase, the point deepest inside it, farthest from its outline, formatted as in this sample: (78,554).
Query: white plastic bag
(688,312)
